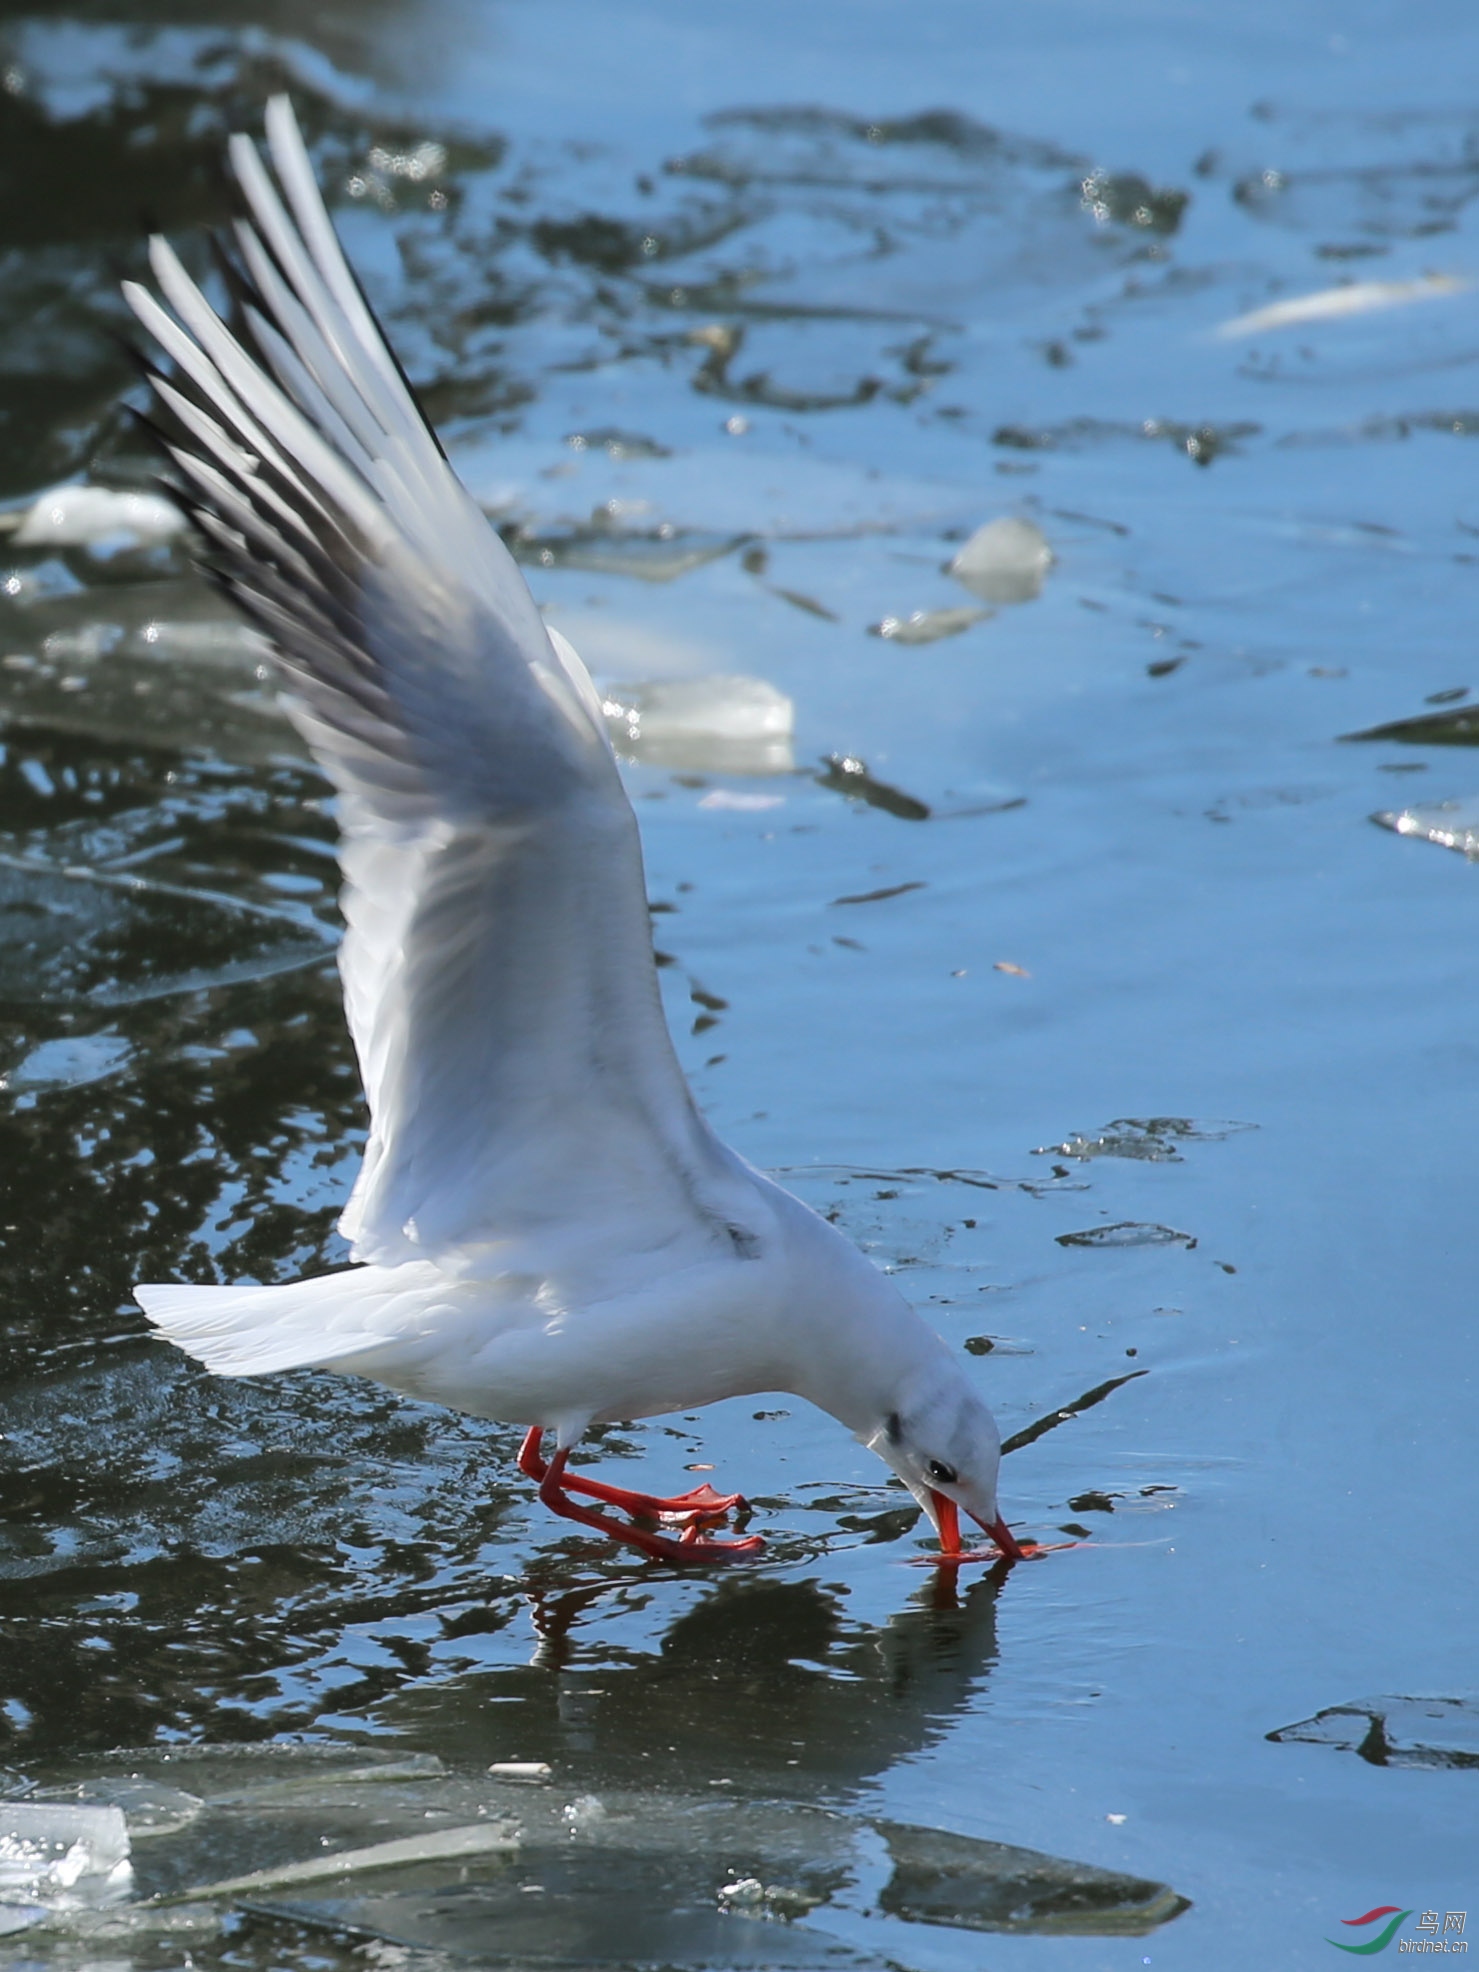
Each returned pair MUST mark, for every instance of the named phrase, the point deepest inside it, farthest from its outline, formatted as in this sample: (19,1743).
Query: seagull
(545,1230)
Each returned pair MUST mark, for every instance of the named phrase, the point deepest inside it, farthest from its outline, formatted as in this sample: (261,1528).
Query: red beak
(947,1516)
(1005,1539)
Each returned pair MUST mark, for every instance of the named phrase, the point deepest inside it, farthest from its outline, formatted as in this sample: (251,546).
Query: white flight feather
(527,1111)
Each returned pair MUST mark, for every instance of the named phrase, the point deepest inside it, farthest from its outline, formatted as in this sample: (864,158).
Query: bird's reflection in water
(760,1684)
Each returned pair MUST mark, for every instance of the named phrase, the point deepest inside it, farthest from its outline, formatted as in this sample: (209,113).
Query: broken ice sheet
(149,1807)
(436,1845)
(940,1878)
(1451,824)
(72,936)
(48,1852)
(718,724)
(1396,1732)
(641,1889)
(71,1061)
(476,1866)
(620,1925)
(926,626)
(1006,561)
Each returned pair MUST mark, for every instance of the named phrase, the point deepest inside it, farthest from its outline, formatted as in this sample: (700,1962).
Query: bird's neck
(859,1356)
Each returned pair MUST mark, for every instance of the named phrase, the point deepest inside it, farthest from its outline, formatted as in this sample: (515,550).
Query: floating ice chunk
(926,626)
(46,1851)
(97,518)
(1397,1732)
(221,641)
(722,724)
(1353,298)
(993,1886)
(149,1807)
(439,1845)
(1006,561)
(1451,824)
(585,1812)
(70,1062)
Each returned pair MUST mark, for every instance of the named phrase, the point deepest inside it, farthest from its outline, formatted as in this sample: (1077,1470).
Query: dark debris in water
(617,444)
(878,896)
(1127,1232)
(1457,728)
(1396,1732)
(835,146)
(1148,1139)
(1201,443)
(1129,200)
(655,554)
(843,773)
(1040,1427)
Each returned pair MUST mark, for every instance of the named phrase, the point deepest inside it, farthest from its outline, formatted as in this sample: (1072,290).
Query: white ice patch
(927,626)
(1451,824)
(70,1062)
(721,723)
(99,519)
(1006,561)
(1351,298)
(52,1855)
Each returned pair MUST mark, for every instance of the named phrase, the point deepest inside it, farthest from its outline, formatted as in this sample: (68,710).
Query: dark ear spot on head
(892,1429)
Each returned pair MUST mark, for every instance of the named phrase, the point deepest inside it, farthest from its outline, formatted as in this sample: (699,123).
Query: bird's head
(943,1443)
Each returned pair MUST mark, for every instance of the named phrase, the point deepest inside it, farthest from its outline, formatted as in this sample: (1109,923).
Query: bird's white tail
(243,1331)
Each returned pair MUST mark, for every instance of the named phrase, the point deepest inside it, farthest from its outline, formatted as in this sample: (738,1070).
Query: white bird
(545,1229)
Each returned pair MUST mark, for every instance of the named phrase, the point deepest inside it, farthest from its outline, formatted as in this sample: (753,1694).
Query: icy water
(1035,925)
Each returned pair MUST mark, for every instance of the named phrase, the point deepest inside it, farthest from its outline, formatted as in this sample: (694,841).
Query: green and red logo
(1382,1938)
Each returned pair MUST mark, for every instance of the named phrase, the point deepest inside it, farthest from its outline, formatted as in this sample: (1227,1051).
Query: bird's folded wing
(527,1109)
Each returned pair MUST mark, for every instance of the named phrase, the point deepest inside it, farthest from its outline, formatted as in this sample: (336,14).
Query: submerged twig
(1030,1433)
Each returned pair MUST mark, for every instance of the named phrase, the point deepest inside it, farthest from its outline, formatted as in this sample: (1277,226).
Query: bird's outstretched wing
(527,1109)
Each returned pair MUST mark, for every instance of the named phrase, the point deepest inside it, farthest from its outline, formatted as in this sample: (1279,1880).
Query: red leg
(703,1500)
(690,1546)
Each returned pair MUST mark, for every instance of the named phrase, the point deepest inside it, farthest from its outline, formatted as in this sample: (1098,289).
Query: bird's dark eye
(941,1473)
